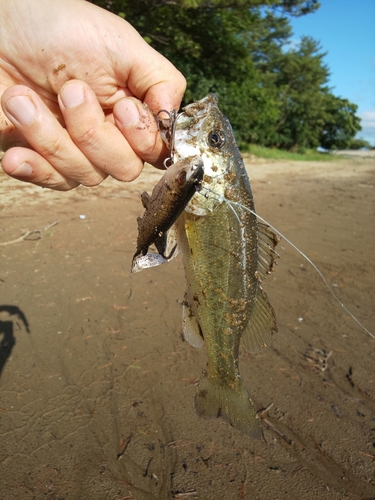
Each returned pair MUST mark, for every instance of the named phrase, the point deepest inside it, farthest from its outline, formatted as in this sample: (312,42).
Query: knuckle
(182,83)
(62,186)
(130,174)
(85,138)
(148,147)
(93,180)
(55,182)
(52,148)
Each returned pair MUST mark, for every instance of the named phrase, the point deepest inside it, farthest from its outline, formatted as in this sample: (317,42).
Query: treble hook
(167,132)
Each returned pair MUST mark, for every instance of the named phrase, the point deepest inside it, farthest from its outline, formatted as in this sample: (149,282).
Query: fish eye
(181,178)
(216,139)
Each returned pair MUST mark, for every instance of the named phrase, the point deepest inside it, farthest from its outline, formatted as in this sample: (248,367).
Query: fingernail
(127,113)
(24,170)
(22,109)
(72,95)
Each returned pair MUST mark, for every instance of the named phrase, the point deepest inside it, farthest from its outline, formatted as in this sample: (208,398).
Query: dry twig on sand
(35,234)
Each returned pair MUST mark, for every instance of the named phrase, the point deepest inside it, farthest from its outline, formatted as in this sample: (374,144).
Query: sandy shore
(97,385)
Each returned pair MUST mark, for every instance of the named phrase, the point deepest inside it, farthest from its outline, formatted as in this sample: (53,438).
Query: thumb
(154,80)
(139,127)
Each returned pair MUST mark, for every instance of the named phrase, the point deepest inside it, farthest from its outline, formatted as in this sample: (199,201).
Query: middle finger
(97,136)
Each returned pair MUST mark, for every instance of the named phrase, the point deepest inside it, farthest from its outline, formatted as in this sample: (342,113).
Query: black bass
(168,199)
(226,253)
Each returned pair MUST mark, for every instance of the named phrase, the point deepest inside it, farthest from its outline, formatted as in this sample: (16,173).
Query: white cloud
(368,126)
(368,117)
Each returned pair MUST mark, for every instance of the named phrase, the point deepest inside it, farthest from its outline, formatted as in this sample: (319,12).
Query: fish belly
(219,257)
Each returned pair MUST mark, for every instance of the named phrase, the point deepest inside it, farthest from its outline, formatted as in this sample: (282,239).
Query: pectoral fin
(262,326)
(171,246)
(190,326)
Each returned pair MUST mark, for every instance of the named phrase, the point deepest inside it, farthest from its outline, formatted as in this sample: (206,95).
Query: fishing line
(299,251)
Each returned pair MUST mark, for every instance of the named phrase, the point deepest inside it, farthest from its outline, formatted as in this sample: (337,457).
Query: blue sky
(346,31)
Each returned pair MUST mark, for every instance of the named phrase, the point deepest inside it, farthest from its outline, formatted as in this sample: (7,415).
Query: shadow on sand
(7,338)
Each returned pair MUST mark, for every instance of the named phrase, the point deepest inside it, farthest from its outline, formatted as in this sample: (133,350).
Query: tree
(340,125)
(301,78)
(238,50)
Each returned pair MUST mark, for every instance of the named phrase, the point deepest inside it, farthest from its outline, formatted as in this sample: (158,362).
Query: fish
(226,253)
(168,199)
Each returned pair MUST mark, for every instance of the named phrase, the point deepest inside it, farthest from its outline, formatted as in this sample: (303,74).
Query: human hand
(73,89)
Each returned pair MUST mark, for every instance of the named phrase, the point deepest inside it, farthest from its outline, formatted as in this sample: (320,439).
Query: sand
(97,384)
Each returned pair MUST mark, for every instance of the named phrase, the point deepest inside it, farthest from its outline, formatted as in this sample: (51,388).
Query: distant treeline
(275,92)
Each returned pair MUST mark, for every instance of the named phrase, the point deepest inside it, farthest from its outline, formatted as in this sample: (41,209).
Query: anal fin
(262,326)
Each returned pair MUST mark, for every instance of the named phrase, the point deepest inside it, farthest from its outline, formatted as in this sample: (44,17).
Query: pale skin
(79,89)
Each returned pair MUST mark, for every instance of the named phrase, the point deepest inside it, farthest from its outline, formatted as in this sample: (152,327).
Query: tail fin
(230,401)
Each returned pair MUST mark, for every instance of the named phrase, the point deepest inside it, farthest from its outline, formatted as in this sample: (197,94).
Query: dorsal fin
(267,241)
(262,326)
(145,199)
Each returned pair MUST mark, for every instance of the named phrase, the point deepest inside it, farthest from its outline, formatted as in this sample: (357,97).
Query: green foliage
(301,79)
(238,49)
(341,123)
(282,155)
(359,144)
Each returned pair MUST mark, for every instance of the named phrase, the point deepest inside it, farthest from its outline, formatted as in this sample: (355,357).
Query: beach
(97,383)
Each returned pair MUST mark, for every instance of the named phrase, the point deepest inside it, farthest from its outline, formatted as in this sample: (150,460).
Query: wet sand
(97,385)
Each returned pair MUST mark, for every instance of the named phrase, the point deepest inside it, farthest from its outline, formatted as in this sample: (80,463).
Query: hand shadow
(7,338)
